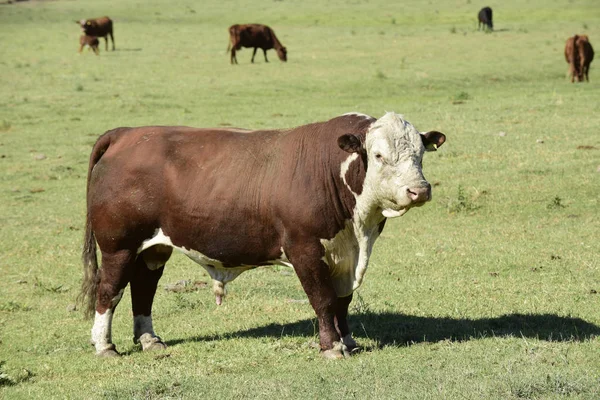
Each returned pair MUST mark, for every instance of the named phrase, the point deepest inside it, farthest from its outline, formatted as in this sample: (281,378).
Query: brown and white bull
(315,198)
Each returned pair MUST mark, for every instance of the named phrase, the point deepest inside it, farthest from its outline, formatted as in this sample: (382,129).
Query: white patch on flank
(220,274)
(101,331)
(158,238)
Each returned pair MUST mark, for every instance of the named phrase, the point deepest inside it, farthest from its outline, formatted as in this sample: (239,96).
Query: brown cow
(315,198)
(579,54)
(91,41)
(257,36)
(100,27)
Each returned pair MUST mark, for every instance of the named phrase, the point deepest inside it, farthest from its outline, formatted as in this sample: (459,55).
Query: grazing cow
(485,19)
(91,41)
(313,197)
(579,54)
(257,36)
(100,27)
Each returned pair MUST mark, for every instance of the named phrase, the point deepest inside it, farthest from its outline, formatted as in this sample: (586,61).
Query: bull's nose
(419,194)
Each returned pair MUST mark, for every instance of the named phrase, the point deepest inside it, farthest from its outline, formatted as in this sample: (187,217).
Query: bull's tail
(231,36)
(234,38)
(89,285)
(91,276)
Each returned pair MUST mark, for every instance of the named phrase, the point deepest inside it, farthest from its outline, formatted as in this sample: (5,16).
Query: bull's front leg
(314,276)
(341,322)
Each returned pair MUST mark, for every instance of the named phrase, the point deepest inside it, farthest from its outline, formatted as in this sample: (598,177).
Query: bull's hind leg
(253,54)
(149,267)
(114,276)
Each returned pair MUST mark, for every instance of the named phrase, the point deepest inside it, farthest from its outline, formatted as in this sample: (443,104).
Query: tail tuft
(91,277)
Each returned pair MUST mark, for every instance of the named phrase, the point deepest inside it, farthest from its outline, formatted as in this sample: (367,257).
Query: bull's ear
(350,143)
(432,140)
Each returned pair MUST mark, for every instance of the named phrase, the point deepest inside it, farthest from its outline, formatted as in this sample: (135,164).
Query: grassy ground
(490,291)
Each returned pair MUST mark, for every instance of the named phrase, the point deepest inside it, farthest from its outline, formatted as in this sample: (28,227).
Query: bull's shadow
(394,329)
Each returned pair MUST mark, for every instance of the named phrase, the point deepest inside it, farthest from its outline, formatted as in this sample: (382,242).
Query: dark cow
(91,41)
(314,197)
(257,36)
(485,19)
(579,54)
(100,27)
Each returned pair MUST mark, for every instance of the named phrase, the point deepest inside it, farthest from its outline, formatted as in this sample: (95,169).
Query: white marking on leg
(101,331)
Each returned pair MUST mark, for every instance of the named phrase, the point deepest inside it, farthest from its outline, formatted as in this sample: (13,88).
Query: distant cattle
(91,41)
(579,54)
(485,19)
(100,27)
(314,198)
(257,36)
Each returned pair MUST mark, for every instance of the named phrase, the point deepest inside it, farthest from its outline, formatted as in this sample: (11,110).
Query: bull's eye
(380,158)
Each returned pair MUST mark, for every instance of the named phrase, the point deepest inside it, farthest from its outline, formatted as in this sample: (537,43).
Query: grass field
(491,291)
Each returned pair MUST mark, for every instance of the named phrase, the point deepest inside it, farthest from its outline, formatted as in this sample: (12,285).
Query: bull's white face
(394,180)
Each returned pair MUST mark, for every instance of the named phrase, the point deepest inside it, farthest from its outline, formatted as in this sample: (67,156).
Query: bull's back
(100,27)
(586,52)
(166,163)
(255,35)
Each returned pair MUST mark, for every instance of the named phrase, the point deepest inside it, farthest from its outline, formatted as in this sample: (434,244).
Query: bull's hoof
(338,351)
(151,343)
(108,352)
(155,346)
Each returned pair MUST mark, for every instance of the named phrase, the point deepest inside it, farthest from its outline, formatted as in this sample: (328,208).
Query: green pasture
(491,291)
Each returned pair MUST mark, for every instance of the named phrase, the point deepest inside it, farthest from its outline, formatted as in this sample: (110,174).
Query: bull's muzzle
(420,194)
